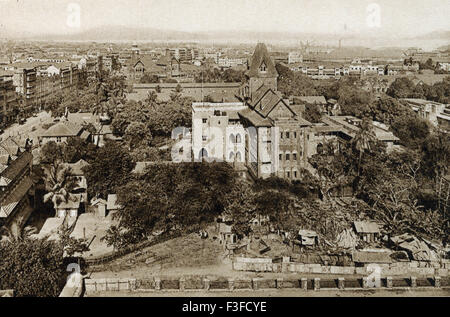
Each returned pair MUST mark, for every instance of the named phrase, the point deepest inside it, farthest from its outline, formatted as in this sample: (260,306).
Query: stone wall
(400,268)
(222,284)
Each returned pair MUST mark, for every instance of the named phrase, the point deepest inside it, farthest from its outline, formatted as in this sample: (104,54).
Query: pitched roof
(12,200)
(366,227)
(112,203)
(77,168)
(312,99)
(63,129)
(255,119)
(260,56)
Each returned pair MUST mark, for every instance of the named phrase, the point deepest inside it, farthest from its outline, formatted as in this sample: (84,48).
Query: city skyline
(296,16)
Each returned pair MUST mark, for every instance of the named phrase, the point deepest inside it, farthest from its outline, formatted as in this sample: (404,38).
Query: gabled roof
(77,168)
(12,200)
(260,56)
(72,203)
(254,118)
(63,129)
(312,99)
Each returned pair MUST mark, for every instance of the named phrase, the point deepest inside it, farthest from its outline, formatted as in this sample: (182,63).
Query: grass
(185,252)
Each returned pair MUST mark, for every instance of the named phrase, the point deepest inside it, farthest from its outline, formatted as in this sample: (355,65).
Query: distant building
(9,99)
(436,113)
(295,57)
(267,132)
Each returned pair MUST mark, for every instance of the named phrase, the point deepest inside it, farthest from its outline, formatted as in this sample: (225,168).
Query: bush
(32,268)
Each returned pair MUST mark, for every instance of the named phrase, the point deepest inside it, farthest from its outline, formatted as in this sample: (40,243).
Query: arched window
(203,153)
(238,157)
(232,139)
(238,138)
(231,156)
(263,68)
(320,148)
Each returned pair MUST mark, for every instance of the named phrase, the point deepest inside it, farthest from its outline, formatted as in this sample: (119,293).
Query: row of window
(288,135)
(289,174)
(288,156)
(233,139)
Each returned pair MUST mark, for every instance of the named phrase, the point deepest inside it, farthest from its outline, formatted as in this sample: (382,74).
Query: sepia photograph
(218,157)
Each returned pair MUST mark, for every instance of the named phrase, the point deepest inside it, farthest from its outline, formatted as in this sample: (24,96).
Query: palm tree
(8,234)
(151,97)
(59,185)
(363,140)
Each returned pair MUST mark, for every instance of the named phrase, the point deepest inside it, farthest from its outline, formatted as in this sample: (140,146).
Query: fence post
(207,284)
(157,283)
(437,281)
(389,283)
(279,282)
(304,284)
(231,284)
(317,284)
(182,283)
(341,283)
(413,281)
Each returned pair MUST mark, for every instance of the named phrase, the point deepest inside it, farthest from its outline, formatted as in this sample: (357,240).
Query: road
(25,130)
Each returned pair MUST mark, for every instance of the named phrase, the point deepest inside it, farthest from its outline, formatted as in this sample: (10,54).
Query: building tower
(262,71)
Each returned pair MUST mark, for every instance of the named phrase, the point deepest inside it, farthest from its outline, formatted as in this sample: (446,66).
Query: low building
(308,238)
(63,131)
(436,113)
(69,208)
(99,206)
(112,205)
(367,231)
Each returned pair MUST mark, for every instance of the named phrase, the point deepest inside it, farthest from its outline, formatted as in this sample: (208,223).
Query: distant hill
(125,33)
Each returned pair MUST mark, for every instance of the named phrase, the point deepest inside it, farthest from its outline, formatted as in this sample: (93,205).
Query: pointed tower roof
(261,56)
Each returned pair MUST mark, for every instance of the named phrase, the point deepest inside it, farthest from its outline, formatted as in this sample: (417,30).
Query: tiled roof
(12,200)
(15,167)
(261,55)
(255,119)
(63,129)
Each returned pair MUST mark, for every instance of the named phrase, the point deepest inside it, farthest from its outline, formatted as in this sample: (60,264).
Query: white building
(217,133)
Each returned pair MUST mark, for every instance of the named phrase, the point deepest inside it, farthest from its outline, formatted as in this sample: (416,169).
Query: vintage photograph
(199,149)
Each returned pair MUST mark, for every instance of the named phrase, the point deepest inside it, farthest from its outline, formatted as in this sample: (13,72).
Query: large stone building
(266,131)
(9,99)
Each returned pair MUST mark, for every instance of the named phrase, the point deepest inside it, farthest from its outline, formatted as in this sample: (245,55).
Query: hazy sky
(402,17)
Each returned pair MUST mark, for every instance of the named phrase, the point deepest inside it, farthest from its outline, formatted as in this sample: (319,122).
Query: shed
(308,237)
(100,205)
(367,231)
(111,204)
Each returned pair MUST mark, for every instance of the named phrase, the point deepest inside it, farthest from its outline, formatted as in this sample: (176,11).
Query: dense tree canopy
(110,169)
